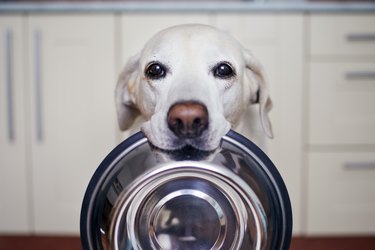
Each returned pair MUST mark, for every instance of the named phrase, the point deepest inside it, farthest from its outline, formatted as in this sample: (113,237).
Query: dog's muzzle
(233,199)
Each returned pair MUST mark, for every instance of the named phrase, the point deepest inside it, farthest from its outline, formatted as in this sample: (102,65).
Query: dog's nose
(187,119)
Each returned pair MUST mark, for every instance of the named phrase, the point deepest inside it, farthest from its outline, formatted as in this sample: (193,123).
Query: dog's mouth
(183,148)
(185,153)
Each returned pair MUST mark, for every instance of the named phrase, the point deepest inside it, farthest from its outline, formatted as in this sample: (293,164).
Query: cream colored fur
(190,53)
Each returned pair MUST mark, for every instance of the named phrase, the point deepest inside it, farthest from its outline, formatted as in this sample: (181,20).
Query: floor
(73,243)
(339,243)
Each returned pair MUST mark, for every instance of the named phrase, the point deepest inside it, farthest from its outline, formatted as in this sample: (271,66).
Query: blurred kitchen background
(59,63)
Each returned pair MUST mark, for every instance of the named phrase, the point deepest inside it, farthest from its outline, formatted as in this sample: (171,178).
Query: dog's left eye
(155,71)
(223,71)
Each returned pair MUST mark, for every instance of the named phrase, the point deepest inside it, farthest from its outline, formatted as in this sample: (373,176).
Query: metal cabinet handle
(359,166)
(38,85)
(9,83)
(360,75)
(361,37)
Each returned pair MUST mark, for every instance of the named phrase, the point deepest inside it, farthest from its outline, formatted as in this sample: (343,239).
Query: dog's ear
(259,92)
(127,110)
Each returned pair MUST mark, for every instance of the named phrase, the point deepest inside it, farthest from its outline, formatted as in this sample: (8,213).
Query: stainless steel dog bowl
(144,198)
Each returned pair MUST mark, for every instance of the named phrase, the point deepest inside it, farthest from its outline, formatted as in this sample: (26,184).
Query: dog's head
(191,83)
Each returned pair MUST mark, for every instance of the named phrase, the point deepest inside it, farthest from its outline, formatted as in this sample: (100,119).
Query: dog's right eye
(155,71)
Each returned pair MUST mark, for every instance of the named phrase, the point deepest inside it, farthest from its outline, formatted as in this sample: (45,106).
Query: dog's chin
(164,139)
(186,146)
(184,153)
(186,149)
(173,148)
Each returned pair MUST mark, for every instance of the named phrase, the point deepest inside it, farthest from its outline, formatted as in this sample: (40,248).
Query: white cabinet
(342,102)
(71,82)
(57,112)
(341,193)
(341,139)
(69,115)
(342,35)
(277,41)
(14,181)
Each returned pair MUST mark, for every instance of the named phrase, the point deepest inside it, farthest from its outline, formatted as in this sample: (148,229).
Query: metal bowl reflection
(233,198)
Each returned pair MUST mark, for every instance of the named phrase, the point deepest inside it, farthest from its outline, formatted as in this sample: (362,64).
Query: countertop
(187,6)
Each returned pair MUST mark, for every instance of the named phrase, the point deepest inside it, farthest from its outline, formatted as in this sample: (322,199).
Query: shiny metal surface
(186,205)
(143,198)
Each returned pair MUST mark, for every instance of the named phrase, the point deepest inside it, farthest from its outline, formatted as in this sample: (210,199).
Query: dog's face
(191,83)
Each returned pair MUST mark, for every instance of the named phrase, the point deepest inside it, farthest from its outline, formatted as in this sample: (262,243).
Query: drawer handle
(361,37)
(9,83)
(38,85)
(360,75)
(359,165)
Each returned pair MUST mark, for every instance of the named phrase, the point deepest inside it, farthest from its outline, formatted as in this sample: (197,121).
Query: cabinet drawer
(342,101)
(341,196)
(342,34)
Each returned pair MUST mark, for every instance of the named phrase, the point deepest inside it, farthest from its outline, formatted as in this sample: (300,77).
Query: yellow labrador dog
(191,84)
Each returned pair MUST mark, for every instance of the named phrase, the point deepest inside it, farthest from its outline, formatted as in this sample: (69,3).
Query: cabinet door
(341,103)
(342,35)
(13,171)
(71,72)
(277,42)
(340,193)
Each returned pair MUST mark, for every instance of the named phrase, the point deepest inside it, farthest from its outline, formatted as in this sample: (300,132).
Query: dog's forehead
(185,40)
